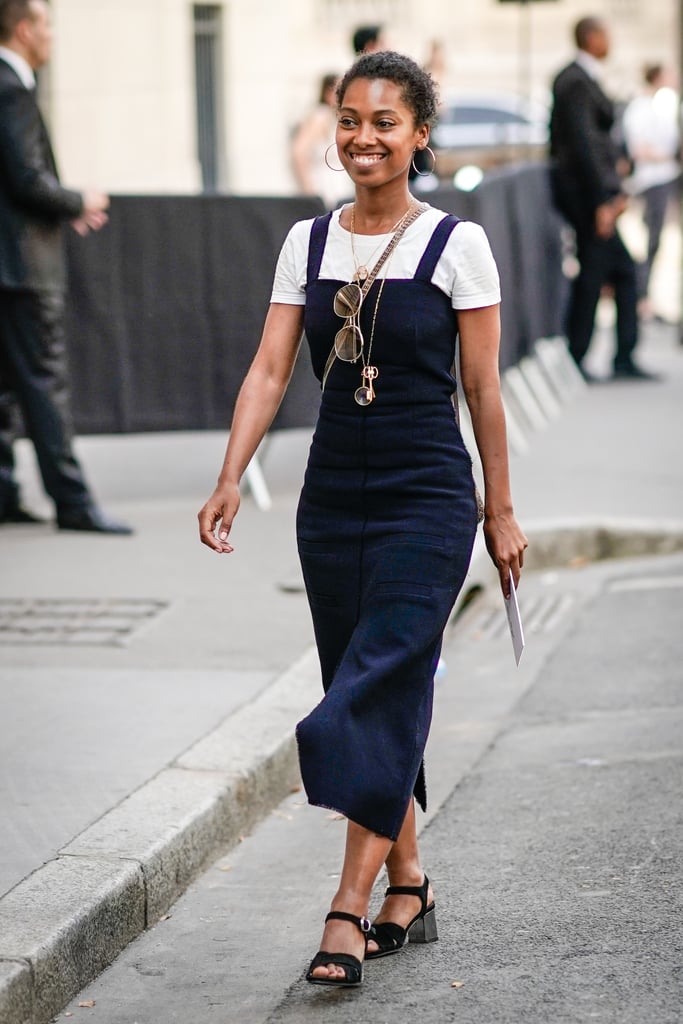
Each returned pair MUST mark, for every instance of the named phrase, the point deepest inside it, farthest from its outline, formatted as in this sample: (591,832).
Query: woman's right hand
(222,506)
(257,402)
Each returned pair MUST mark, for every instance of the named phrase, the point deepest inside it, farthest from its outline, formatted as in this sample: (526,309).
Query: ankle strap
(340,915)
(409,890)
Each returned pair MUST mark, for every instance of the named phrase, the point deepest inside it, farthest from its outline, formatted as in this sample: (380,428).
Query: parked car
(486,131)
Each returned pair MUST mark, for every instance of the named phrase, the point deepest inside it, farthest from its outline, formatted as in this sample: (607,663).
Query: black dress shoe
(630,371)
(16,513)
(91,520)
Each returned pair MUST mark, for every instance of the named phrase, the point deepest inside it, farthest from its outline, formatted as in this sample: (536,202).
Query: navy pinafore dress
(385,529)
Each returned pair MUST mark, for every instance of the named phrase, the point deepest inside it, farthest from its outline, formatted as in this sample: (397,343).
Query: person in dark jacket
(34,207)
(587,188)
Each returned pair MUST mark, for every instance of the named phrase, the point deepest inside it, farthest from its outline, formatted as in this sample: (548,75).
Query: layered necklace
(362,272)
(349,344)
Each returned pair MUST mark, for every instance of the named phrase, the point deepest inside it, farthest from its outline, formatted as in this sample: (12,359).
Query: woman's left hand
(505,543)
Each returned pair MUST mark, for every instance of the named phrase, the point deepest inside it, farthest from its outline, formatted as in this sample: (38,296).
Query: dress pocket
(413,564)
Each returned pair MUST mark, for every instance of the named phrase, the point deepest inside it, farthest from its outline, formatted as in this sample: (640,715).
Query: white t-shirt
(466,270)
(651,122)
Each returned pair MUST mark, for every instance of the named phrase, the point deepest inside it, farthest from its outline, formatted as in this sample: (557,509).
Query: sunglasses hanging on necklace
(349,344)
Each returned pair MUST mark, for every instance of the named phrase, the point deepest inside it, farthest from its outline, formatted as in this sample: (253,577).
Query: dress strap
(435,246)
(316,246)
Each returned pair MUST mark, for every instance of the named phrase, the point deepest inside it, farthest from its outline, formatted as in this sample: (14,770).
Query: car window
(480,115)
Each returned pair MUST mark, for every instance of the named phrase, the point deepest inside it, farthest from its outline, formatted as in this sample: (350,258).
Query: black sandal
(390,937)
(353,967)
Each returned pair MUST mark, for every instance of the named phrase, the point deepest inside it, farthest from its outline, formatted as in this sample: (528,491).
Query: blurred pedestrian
(588,191)
(33,208)
(651,126)
(313,138)
(436,64)
(388,511)
(368,39)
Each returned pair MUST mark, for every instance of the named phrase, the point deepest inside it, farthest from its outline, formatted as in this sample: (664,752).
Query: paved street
(555,822)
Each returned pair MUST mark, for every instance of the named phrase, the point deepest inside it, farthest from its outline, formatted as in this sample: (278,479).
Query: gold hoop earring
(425,174)
(332,146)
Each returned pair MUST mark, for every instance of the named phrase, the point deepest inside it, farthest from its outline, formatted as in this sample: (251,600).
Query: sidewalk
(137,747)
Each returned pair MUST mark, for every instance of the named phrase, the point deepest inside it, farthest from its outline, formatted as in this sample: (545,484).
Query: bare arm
(479,345)
(258,401)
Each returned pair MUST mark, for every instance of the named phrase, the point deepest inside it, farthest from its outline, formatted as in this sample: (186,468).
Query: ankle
(351,903)
(406,874)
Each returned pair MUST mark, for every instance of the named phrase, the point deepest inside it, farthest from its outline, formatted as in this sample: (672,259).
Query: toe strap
(353,969)
(387,935)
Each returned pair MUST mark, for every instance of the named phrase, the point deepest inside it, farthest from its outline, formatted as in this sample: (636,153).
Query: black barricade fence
(488,206)
(514,207)
(166,308)
(167,303)
(536,228)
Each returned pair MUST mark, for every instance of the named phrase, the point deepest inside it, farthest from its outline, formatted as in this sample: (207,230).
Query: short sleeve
(289,283)
(467,270)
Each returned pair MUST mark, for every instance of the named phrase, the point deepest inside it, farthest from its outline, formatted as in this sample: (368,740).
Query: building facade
(167,96)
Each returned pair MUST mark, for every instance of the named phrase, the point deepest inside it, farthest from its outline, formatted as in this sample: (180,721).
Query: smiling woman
(387,515)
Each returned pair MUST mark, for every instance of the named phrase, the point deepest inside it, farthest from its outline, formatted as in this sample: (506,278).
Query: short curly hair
(418,90)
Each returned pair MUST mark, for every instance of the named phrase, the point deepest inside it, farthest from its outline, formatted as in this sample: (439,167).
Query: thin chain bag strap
(367,284)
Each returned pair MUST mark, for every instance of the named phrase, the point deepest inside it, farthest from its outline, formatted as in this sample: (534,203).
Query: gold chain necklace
(362,271)
(365,394)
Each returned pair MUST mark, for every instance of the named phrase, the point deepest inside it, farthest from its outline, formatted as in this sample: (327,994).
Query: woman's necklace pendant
(361,275)
(366,393)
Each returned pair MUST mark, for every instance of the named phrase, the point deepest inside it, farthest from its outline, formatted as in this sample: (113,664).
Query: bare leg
(404,868)
(364,856)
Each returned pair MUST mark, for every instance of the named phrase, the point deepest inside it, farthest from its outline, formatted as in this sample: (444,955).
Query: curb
(561,543)
(61,926)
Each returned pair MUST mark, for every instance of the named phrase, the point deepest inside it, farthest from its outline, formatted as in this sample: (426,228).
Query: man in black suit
(33,210)
(587,189)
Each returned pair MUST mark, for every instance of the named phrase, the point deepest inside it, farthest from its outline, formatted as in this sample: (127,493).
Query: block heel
(424,928)
(391,937)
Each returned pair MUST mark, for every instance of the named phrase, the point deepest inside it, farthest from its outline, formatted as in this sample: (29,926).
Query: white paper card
(514,622)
